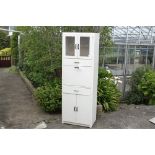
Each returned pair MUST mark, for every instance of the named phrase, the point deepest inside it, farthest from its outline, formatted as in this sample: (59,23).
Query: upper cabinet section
(78,45)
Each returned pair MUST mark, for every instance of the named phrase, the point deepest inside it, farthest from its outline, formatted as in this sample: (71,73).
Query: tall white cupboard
(80,52)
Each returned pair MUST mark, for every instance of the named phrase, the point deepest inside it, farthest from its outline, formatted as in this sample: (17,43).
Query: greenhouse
(133,47)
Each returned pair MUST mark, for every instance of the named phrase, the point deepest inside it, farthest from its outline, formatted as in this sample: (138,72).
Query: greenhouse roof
(134,35)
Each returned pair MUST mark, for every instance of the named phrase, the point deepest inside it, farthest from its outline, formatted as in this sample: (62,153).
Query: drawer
(76,90)
(75,62)
(79,76)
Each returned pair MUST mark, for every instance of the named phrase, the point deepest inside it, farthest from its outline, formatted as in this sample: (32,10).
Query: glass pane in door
(84,46)
(70,42)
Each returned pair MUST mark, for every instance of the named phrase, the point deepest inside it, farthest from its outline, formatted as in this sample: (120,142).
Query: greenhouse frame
(133,47)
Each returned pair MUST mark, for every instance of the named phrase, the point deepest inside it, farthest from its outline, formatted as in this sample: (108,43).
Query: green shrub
(147,86)
(36,78)
(14,48)
(4,40)
(108,94)
(5,52)
(49,96)
(135,95)
(41,54)
(103,73)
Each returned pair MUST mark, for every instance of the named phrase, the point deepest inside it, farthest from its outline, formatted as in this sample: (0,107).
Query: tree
(41,53)
(4,40)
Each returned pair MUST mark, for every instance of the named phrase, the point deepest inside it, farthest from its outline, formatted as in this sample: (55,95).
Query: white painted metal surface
(77,75)
(79,78)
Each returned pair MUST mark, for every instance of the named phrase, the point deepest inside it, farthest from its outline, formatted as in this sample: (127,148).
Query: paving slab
(152,120)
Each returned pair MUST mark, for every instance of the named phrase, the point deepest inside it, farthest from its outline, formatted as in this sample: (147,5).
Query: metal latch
(75,108)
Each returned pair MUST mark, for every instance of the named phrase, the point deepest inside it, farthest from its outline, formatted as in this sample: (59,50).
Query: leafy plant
(103,73)
(5,52)
(40,50)
(49,96)
(135,95)
(147,86)
(108,94)
(14,48)
(4,40)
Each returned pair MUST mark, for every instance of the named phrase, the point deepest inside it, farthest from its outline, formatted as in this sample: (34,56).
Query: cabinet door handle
(74,108)
(78,46)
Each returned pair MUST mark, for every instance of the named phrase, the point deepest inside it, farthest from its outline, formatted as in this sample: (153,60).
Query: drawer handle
(76,67)
(76,62)
(76,90)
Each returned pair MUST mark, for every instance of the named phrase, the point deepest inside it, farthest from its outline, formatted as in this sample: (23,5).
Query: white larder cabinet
(79,78)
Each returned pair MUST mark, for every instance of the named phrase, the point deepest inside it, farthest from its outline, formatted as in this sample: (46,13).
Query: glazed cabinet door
(69,46)
(78,46)
(84,46)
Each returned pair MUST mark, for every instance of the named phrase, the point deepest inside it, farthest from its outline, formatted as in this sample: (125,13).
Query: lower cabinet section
(77,109)
(68,106)
(84,109)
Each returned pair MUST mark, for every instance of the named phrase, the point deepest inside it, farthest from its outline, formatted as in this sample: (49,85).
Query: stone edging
(27,82)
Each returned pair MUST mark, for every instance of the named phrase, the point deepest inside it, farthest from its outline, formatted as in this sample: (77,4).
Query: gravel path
(19,110)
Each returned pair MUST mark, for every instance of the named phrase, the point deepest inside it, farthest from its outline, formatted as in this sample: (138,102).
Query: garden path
(17,106)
